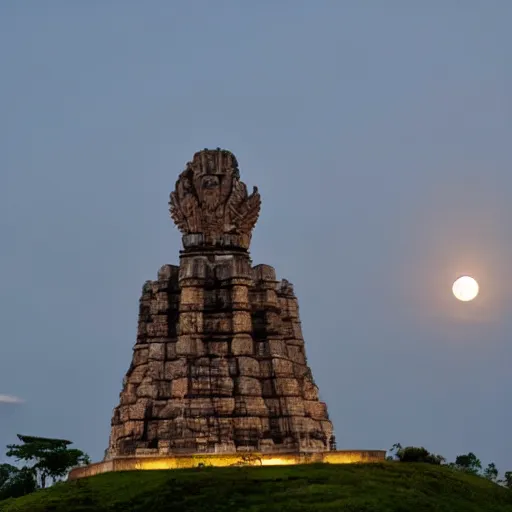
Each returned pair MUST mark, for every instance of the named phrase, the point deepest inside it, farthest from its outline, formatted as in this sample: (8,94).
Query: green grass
(383,487)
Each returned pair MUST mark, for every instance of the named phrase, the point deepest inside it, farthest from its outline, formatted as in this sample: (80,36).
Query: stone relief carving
(210,199)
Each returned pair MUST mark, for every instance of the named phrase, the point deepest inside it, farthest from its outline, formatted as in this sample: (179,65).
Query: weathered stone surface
(268,388)
(242,345)
(179,388)
(147,389)
(293,406)
(176,369)
(170,350)
(173,408)
(224,406)
(190,346)
(157,351)
(282,368)
(156,370)
(136,374)
(248,386)
(248,367)
(250,406)
(140,356)
(217,348)
(316,410)
(211,386)
(309,390)
(219,363)
(277,348)
(296,354)
(287,387)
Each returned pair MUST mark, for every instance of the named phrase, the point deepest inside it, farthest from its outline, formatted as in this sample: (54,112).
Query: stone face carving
(210,199)
(219,364)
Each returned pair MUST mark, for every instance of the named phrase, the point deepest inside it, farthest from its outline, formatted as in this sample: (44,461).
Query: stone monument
(219,365)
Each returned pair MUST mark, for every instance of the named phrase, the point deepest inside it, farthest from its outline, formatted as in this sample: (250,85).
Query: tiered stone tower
(219,365)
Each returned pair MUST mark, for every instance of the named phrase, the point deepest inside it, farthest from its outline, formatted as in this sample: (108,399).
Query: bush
(416,454)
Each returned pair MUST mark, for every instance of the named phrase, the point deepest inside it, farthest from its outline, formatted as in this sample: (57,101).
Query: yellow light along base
(225,460)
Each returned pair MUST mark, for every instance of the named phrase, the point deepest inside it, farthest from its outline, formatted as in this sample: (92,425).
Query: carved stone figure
(219,364)
(210,200)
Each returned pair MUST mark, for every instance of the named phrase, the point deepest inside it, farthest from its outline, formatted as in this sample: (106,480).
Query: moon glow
(465,288)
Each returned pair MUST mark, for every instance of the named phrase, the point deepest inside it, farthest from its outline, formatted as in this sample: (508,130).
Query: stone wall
(224,460)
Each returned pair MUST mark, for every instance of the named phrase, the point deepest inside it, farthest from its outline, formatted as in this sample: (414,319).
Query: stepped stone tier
(219,364)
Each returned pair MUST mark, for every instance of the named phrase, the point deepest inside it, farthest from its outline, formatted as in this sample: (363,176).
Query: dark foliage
(416,454)
(16,482)
(47,458)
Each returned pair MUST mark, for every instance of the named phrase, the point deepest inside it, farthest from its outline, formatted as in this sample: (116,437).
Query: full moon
(465,288)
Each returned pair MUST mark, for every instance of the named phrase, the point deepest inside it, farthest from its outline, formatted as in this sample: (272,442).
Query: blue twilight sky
(379,135)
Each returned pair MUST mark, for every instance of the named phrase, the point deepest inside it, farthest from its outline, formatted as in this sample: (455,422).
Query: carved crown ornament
(211,203)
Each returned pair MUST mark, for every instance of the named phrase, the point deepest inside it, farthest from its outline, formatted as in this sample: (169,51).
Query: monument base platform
(226,460)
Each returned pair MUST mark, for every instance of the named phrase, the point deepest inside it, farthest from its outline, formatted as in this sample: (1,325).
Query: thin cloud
(9,399)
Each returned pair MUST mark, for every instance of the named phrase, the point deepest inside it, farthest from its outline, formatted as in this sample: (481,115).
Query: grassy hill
(384,487)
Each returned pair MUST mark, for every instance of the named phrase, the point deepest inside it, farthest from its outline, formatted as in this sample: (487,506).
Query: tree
(507,481)
(415,454)
(491,472)
(15,482)
(51,458)
(6,472)
(468,463)
(394,451)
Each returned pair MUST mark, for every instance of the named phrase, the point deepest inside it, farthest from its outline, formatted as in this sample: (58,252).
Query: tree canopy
(48,458)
